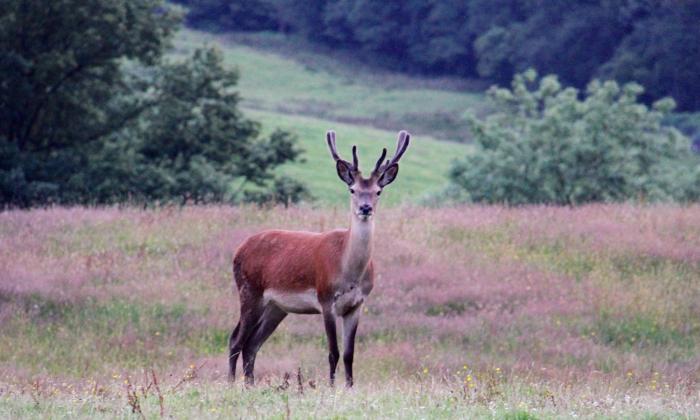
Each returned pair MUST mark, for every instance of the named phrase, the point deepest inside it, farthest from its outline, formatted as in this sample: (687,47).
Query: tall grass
(475,310)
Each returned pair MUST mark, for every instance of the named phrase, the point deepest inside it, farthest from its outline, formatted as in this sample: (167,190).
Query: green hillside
(285,91)
(288,78)
(423,167)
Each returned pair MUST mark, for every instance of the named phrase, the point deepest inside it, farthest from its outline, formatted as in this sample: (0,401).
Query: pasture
(536,312)
(281,83)
(287,76)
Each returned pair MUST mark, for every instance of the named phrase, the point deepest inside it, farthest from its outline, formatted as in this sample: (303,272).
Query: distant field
(282,92)
(478,312)
(287,79)
(423,168)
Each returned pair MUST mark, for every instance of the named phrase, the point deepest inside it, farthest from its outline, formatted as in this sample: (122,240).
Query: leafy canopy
(546,144)
(91,111)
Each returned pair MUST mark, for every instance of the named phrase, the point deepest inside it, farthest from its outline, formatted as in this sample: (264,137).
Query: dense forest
(653,42)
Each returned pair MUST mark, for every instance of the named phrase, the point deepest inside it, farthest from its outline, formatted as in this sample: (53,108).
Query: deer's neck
(358,250)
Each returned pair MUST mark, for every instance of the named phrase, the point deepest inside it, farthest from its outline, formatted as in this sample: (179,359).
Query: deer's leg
(251,310)
(233,356)
(350,322)
(333,353)
(270,319)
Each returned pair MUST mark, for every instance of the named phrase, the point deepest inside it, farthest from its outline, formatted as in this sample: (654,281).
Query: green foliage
(545,145)
(197,138)
(61,61)
(91,112)
(285,190)
(63,87)
(238,15)
(650,42)
(662,54)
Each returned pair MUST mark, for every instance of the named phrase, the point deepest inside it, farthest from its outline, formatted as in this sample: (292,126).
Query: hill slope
(308,94)
(423,167)
(285,75)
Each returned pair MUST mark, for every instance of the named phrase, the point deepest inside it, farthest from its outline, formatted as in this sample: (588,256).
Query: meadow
(285,75)
(478,312)
(289,86)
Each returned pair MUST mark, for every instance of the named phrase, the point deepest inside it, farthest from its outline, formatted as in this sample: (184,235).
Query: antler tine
(355,162)
(330,138)
(402,145)
(378,165)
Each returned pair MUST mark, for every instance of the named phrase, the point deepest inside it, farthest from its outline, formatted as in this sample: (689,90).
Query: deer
(278,272)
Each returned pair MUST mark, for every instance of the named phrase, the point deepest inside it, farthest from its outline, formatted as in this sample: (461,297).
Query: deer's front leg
(350,322)
(333,354)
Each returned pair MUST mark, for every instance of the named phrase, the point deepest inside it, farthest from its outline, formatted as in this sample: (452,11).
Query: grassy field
(286,76)
(423,168)
(478,312)
(307,93)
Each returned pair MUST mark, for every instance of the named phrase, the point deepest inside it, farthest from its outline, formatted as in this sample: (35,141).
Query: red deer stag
(279,272)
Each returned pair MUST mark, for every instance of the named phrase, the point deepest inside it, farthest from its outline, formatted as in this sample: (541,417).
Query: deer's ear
(389,175)
(344,172)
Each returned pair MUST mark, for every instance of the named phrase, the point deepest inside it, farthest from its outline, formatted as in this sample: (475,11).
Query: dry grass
(477,311)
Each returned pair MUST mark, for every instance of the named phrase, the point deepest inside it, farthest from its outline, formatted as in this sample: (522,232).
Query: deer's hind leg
(233,356)
(271,318)
(251,311)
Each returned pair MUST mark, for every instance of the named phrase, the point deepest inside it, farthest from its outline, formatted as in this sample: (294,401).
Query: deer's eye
(379,192)
(352,191)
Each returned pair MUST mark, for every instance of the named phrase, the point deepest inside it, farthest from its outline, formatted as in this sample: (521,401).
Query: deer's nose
(365,209)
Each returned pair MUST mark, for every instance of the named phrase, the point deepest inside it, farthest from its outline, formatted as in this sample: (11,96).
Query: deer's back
(289,261)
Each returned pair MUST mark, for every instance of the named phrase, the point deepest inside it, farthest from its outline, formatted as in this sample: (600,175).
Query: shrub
(545,143)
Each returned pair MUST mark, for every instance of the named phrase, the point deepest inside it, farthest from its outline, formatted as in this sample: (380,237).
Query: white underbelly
(304,302)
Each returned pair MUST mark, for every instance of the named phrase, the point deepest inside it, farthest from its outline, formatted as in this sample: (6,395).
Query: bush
(549,144)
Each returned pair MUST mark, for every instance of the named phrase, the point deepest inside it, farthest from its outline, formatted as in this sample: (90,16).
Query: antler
(401,146)
(330,138)
(378,165)
(355,163)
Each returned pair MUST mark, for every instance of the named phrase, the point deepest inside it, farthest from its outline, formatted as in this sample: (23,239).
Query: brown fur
(280,259)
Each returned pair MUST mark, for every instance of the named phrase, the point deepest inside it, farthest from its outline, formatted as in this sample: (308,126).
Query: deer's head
(365,192)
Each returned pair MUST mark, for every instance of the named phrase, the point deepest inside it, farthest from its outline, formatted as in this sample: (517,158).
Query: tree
(571,39)
(63,83)
(545,145)
(663,53)
(92,112)
(63,86)
(200,141)
(240,15)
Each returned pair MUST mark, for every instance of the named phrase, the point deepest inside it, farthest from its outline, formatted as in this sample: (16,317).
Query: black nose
(365,209)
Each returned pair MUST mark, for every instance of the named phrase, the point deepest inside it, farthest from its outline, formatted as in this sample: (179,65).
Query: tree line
(651,42)
(96,108)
